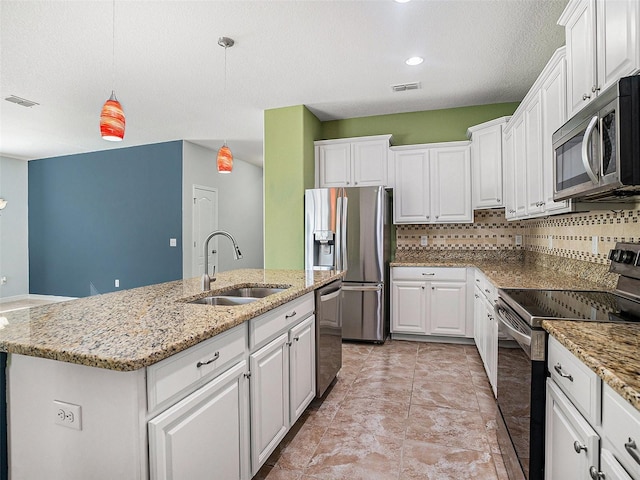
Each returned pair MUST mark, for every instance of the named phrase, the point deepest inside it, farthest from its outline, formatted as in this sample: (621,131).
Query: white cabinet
(486,163)
(528,149)
(621,431)
(282,378)
(603,45)
(424,188)
(205,435)
(269,398)
(302,357)
(485,327)
(572,445)
(429,301)
(352,162)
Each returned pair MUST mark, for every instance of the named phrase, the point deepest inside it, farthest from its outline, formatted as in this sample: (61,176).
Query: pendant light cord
(224,107)
(113,49)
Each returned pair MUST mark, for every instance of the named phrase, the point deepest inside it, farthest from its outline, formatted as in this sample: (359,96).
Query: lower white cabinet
(485,327)
(429,301)
(269,398)
(205,435)
(282,384)
(572,445)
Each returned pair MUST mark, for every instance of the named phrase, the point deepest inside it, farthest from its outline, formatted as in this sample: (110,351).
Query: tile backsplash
(567,236)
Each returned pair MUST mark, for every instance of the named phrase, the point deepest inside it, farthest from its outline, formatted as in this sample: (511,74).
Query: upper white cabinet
(433,183)
(528,151)
(352,162)
(486,163)
(603,44)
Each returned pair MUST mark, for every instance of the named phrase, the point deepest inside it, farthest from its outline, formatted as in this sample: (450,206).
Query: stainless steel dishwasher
(328,335)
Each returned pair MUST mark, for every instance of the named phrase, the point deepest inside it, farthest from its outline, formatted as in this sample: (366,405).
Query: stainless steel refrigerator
(349,229)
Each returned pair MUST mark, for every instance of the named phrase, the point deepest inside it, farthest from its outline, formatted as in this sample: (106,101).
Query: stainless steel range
(522,368)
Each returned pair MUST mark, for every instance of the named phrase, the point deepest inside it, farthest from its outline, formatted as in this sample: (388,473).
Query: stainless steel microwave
(597,152)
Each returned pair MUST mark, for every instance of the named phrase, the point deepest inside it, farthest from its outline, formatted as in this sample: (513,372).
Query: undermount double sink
(238,296)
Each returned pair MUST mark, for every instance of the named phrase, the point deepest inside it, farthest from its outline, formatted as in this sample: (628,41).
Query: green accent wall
(289,160)
(289,168)
(430,126)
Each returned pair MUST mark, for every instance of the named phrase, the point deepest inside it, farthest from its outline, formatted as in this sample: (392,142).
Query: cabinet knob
(585,96)
(427,216)
(497,199)
(423,287)
(347,183)
(433,288)
(595,474)
(437,216)
(595,89)
(578,447)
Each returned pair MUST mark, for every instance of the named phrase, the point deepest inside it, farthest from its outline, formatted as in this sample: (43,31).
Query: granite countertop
(609,349)
(132,329)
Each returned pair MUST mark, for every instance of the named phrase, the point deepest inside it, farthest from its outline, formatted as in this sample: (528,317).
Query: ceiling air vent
(21,101)
(403,87)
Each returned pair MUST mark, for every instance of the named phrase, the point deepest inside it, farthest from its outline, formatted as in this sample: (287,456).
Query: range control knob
(622,256)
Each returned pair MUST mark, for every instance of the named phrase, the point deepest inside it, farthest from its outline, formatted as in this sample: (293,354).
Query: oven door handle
(516,334)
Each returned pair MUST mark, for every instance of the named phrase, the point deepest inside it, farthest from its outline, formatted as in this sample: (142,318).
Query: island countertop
(133,329)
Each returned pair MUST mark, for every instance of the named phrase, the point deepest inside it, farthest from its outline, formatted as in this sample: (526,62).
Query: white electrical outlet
(117,283)
(518,240)
(594,245)
(550,241)
(424,240)
(173,242)
(67,414)
(3,280)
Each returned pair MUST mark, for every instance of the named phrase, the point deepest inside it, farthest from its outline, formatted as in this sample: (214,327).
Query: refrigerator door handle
(362,288)
(338,241)
(344,265)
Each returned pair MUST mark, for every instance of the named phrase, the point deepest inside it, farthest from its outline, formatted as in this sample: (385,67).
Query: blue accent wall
(107,215)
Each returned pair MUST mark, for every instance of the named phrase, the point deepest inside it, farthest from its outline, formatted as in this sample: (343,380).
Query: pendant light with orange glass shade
(225,157)
(112,119)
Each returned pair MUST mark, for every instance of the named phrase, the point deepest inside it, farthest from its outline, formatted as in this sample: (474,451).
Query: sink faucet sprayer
(206,279)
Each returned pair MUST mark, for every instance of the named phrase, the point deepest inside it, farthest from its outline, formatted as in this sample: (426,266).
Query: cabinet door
(411,194)
(334,163)
(370,160)
(269,398)
(447,309)
(571,445)
(581,67)
(479,323)
(408,301)
(520,168)
(206,435)
(451,184)
(554,114)
(486,167)
(509,176)
(617,38)
(491,345)
(303,367)
(533,147)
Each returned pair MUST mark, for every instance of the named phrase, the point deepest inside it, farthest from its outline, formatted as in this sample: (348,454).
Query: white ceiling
(339,58)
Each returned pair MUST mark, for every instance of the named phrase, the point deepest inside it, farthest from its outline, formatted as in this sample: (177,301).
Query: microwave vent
(21,101)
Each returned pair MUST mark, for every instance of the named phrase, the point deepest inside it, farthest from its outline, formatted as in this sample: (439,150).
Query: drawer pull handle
(292,314)
(558,368)
(487,290)
(595,474)
(211,360)
(428,274)
(631,449)
(578,447)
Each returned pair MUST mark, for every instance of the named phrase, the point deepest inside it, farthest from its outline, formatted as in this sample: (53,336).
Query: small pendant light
(225,157)
(112,119)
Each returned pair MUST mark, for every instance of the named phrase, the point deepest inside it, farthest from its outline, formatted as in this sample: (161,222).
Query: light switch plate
(424,240)
(173,242)
(594,245)
(518,240)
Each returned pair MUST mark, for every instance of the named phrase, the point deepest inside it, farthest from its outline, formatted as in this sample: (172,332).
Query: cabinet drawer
(576,380)
(429,273)
(621,428)
(175,377)
(267,326)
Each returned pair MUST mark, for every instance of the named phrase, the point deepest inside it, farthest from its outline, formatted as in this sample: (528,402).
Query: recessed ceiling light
(403,1)
(414,61)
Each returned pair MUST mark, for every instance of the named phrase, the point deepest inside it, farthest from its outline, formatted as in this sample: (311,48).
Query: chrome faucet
(206,279)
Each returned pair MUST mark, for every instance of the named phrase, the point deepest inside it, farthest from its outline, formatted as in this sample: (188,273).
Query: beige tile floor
(400,411)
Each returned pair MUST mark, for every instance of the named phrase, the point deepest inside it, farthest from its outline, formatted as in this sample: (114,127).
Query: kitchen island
(123,385)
